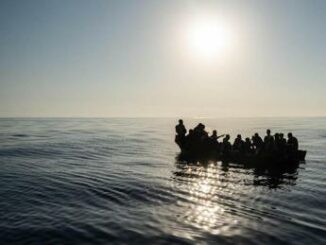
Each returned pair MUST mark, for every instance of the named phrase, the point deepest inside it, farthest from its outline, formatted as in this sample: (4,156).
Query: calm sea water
(117,181)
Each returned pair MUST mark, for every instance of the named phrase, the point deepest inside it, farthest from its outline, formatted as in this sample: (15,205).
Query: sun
(209,38)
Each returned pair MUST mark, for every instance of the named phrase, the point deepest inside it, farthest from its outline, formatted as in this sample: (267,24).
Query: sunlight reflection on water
(204,211)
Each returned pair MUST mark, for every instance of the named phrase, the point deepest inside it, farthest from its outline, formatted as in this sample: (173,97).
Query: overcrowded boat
(197,144)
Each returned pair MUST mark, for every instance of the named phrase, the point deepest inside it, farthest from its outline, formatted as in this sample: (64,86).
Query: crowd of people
(198,139)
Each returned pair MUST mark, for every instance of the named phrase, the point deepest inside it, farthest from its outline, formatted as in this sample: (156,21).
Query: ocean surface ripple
(118,181)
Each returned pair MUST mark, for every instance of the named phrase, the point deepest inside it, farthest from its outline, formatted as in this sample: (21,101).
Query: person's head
(180,121)
(268,132)
(247,140)
(214,132)
(227,137)
(290,135)
(239,136)
(256,134)
(277,135)
(281,135)
(191,131)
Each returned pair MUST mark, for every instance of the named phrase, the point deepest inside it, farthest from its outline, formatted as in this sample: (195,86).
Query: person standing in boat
(268,136)
(226,145)
(248,146)
(268,141)
(214,140)
(282,143)
(238,143)
(181,131)
(214,137)
(292,143)
(257,143)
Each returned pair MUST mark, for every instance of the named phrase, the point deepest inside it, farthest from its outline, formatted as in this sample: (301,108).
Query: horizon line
(149,117)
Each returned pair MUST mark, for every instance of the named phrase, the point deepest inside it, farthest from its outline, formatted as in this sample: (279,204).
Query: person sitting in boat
(282,140)
(190,135)
(199,131)
(181,131)
(214,137)
(226,145)
(238,143)
(268,141)
(292,143)
(198,128)
(257,143)
(248,146)
(190,140)
(280,143)
(199,138)
(214,140)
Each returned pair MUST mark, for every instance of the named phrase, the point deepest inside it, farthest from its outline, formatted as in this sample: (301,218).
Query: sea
(119,181)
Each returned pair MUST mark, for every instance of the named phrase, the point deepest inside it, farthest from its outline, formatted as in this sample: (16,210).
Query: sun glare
(208,38)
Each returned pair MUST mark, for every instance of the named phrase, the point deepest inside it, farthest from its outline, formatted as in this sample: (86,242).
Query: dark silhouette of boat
(203,152)
(263,158)
(237,157)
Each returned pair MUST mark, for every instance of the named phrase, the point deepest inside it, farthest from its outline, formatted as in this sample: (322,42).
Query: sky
(133,58)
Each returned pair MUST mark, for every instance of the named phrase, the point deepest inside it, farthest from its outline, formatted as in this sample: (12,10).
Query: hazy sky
(131,58)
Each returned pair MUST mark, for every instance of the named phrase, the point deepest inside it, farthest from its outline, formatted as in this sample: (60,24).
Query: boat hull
(237,157)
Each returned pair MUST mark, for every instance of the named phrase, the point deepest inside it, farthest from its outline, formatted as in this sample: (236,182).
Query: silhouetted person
(198,128)
(200,132)
(268,141)
(190,140)
(280,143)
(282,137)
(226,145)
(214,144)
(248,147)
(203,132)
(292,143)
(190,135)
(214,136)
(257,142)
(238,143)
(282,140)
(181,131)
(268,136)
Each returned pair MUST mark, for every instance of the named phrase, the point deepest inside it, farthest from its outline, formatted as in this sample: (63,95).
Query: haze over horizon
(162,58)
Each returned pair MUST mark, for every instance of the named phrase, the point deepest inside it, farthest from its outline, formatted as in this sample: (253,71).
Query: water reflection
(276,177)
(202,185)
(212,190)
(271,176)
